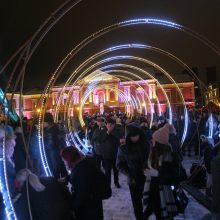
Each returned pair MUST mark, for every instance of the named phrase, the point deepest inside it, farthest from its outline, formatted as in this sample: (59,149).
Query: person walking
(110,141)
(131,161)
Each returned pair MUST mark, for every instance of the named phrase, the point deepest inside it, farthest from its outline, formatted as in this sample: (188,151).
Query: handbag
(180,198)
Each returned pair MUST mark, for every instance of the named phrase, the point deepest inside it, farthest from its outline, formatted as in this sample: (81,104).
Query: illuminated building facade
(109,95)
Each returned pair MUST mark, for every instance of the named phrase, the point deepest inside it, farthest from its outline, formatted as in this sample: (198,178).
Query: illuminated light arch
(136,21)
(126,23)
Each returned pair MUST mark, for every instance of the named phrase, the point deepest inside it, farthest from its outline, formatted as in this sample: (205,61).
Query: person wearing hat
(131,161)
(163,171)
(85,202)
(110,139)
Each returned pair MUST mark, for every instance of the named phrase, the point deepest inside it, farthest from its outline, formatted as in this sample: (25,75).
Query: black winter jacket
(111,143)
(52,149)
(52,203)
(132,158)
(85,203)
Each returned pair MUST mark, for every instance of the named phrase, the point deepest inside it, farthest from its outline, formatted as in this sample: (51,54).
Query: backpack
(101,190)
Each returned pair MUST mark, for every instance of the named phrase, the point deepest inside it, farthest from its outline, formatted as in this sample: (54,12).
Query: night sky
(20,19)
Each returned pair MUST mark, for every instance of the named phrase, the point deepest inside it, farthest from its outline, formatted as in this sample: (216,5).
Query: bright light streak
(210,121)
(4,188)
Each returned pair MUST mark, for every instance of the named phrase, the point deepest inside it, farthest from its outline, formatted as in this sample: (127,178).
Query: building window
(178,97)
(101,98)
(168,92)
(112,96)
(76,97)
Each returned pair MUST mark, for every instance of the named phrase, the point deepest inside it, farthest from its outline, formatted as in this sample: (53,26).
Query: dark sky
(20,19)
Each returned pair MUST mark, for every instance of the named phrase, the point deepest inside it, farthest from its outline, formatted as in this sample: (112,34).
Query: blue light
(9,209)
(42,149)
(150,21)
(12,114)
(185,127)
(210,122)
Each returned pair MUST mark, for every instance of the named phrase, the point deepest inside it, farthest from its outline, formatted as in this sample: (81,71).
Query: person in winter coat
(48,198)
(174,141)
(52,145)
(145,127)
(19,150)
(110,141)
(96,142)
(131,161)
(34,152)
(85,202)
(162,174)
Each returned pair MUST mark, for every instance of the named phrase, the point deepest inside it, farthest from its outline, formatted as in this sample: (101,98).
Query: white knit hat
(162,135)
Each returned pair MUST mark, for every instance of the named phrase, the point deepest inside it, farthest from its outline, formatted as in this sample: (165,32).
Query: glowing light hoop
(126,23)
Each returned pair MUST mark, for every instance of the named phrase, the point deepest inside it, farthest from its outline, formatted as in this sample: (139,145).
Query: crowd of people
(149,156)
